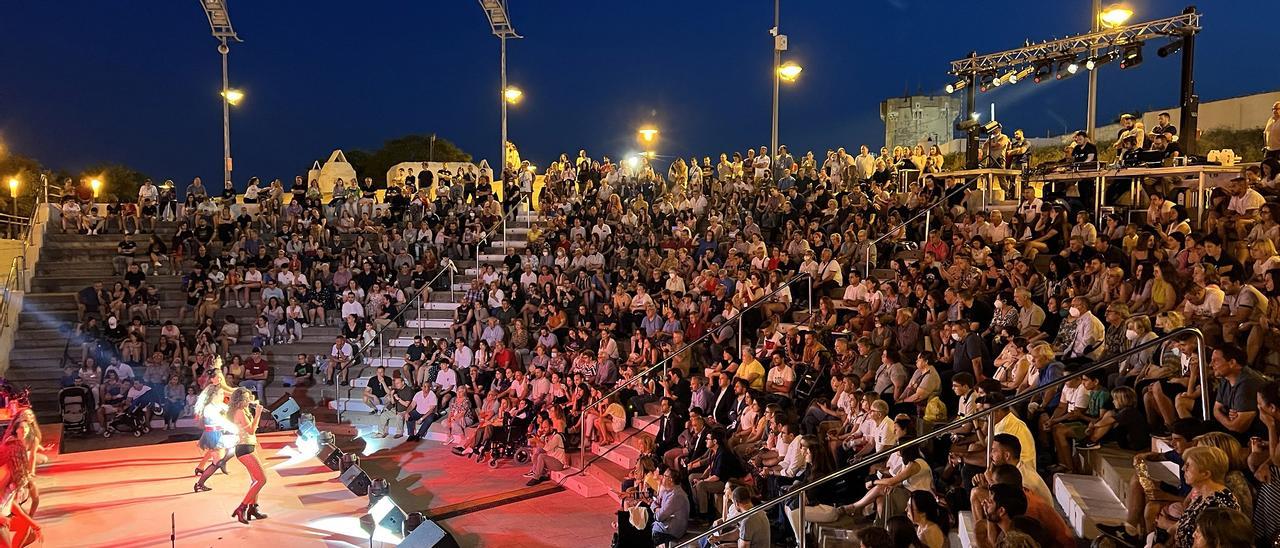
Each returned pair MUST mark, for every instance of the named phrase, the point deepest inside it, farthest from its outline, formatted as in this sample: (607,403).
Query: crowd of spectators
(625,267)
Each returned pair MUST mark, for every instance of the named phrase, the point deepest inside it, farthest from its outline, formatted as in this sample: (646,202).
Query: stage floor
(125,498)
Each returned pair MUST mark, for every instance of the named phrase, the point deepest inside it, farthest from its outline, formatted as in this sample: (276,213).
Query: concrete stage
(124,498)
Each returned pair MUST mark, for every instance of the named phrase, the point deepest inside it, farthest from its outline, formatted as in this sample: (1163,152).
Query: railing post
(382,346)
(800,532)
(1204,392)
(583,444)
(452,271)
(809,303)
(928,215)
(866,270)
(991,434)
(740,314)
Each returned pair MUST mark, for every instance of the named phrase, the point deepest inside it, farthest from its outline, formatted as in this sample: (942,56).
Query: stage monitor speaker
(348,461)
(331,456)
(356,480)
(285,411)
(429,535)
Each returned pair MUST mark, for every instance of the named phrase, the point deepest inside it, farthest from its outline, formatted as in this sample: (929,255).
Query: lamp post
(647,136)
(779,44)
(13,193)
(220,26)
(1114,16)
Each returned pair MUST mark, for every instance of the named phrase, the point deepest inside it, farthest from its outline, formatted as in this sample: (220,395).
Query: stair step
(642,422)
(582,484)
(1087,501)
(622,454)
(430,323)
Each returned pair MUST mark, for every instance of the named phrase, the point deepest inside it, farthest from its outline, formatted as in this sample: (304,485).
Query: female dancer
(210,407)
(16,526)
(26,431)
(246,423)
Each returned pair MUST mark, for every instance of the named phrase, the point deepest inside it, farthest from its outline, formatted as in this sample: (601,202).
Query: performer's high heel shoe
(201,487)
(239,514)
(253,513)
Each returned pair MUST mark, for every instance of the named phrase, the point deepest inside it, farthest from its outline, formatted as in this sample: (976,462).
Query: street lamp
(220,26)
(13,193)
(233,96)
(1115,15)
(648,134)
(96,185)
(789,71)
(512,94)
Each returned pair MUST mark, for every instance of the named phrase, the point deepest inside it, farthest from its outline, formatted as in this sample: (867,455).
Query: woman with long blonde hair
(246,420)
(210,406)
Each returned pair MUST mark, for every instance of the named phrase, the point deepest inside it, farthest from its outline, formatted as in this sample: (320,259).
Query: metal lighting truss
(1180,25)
(219,20)
(496,11)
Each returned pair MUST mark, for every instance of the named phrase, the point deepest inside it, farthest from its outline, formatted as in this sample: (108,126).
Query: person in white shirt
(462,355)
(760,166)
(1087,342)
(1271,133)
(864,164)
(340,355)
(350,306)
(423,408)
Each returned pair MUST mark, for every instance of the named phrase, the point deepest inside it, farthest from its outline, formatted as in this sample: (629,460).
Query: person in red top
(503,357)
(256,370)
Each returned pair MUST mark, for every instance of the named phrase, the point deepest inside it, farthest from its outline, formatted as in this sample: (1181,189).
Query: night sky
(136,81)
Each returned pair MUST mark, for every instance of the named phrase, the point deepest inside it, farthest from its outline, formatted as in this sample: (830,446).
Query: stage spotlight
(412,521)
(331,456)
(968,124)
(1042,71)
(378,489)
(957,85)
(307,430)
(986,80)
(1021,74)
(1170,48)
(355,478)
(1067,67)
(1095,62)
(1131,56)
(1010,77)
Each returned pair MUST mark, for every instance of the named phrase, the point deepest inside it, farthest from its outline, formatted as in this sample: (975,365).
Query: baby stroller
(73,401)
(510,442)
(133,419)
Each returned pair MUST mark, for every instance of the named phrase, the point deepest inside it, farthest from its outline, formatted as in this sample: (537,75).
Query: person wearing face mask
(1085,342)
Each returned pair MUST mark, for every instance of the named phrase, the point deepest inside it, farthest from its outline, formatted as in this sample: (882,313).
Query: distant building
(919,119)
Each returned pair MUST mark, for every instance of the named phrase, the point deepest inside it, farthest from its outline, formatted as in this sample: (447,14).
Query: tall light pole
(500,24)
(779,44)
(220,26)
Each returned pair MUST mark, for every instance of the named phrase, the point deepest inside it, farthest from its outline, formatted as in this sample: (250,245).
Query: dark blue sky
(136,81)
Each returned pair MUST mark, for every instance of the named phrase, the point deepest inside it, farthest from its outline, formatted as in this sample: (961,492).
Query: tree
(409,148)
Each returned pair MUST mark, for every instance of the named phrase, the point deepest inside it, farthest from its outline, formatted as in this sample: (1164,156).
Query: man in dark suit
(669,428)
(693,443)
(723,399)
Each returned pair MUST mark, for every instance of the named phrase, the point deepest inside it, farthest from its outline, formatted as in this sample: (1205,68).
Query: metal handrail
(801,490)
(408,304)
(502,223)
(15,279)
(665,361)
(926,212)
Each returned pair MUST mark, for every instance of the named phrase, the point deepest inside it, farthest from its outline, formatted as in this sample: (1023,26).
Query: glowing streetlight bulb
(233,96)
(13,186)
(512,94)
(789,71)
(648,134)
(96,184)
(1115,15)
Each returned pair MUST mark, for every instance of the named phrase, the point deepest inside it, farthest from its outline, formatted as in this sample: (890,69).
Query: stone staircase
(1089,500)
(432,319)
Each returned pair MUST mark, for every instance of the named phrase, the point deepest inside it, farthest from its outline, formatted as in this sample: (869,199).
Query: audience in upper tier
(821,335)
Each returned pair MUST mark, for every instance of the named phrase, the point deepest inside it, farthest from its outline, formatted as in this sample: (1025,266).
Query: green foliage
(1247,143)
(409,148)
